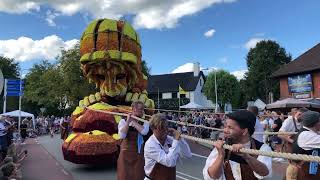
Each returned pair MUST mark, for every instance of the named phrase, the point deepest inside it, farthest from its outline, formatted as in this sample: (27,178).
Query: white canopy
(16,114)
(260,104)
(192,105)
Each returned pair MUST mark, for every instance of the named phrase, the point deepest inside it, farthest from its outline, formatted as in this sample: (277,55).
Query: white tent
(192,105)
(260,104)
(23,114)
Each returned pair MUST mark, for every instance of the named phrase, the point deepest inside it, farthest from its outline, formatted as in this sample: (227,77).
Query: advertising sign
(300,83)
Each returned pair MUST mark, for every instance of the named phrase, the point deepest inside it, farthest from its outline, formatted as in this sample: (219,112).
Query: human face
(161,133)
(138,110)
(233,131)
(297,116)
(317,127)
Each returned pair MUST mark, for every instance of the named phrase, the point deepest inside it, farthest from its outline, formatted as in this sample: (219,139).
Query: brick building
(301,77)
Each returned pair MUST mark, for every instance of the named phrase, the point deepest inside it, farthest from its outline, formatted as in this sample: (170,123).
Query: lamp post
(215,86)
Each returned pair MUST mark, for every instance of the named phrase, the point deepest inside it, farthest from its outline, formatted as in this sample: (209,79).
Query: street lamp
(215,86)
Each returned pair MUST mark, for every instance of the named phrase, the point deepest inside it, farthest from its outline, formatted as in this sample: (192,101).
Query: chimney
(196,69)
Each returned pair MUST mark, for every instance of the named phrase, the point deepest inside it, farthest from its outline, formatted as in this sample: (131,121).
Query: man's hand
(219,146)
(176,134)
(236,150)
(129,119)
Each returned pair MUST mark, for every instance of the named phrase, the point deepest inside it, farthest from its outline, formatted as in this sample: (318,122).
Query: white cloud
(239,74)
(146,13)
(25,48)
(252,43)
(223,60)
(50,17)
(209,33)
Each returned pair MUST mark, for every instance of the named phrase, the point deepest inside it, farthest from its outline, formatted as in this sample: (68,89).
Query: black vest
(296,149)
(239,159)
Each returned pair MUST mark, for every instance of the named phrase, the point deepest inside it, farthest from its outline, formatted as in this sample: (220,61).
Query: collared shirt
(3,130)
(122,123)
(288,125)
(235,167)
(154,152)
(308,140)
(258,128)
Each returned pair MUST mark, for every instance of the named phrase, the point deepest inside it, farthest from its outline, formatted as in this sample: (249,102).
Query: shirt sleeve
(284,127)
(145,129)
(155,152)
(184,149)
(121,124)
(308,140)
(212,157)
(266,161)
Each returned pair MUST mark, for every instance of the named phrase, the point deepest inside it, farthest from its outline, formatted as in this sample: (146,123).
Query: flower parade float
(111,58)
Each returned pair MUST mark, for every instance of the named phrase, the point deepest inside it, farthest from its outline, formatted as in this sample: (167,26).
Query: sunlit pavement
(187,169)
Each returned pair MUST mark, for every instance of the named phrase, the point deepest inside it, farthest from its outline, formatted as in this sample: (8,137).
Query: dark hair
(254,110)
(303,110)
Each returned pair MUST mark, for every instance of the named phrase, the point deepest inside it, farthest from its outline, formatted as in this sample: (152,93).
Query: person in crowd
(10,170)
(291,124)
(223,164)
(258,126)
(64,127)
(276,141)
(23,129)
(3,138)
(307,142)
(161,151)
(130,162)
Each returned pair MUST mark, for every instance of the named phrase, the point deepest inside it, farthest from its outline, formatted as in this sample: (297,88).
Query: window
(174,95)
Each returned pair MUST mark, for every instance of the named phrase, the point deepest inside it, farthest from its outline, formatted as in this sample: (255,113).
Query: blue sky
(172,32)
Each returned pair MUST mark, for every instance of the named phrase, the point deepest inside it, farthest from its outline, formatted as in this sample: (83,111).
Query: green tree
(10,70)
(75,84)
(227,88)
(145,69)
(262,61)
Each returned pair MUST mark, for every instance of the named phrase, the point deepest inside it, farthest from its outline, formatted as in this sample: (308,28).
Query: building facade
(166,87)
(300,78)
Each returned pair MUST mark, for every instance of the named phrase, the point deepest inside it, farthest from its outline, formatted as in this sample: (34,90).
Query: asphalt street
(187,169)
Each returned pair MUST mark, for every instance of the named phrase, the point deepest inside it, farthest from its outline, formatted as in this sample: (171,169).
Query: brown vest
(246,171)
(130,165)
(161,172)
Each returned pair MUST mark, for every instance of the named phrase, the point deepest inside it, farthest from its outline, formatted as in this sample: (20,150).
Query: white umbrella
(291,103)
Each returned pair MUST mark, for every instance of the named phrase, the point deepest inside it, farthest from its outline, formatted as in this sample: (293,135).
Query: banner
(300,83)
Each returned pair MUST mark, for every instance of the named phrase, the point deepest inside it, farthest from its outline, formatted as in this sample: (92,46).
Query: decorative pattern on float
(111,58)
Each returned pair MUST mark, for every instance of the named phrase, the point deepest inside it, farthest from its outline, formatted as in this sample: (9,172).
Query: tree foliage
(59,86)
(145,69)
(262,61)
(227,88)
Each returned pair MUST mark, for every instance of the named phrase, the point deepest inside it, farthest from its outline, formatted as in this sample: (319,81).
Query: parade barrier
(289,156)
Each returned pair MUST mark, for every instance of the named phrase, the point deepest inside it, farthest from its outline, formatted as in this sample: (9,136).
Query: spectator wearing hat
(223,164)
(307,142)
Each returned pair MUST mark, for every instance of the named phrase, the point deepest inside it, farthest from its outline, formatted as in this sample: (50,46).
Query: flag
(181,91)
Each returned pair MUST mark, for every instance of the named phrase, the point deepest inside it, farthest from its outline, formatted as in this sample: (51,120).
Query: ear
(245,132)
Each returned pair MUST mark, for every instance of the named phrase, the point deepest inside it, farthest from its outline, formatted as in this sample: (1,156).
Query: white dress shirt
(258,128)
(235,167)
(122,123)
(309,140)
(288,125)
(154,152)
